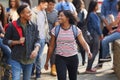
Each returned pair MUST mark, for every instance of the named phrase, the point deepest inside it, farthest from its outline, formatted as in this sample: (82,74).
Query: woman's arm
(50,50)
(84,45)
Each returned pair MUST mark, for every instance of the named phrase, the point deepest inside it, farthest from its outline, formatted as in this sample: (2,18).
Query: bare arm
(117,20)
(50,50)
(84,45)
(15,42)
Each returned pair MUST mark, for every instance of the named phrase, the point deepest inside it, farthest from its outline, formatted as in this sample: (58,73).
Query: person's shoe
(98,66)
(105,59)
(38,75)
(90,71)
(53,70)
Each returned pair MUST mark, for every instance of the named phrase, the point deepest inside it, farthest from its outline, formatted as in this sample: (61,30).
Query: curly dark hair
(69,14)
(2,15)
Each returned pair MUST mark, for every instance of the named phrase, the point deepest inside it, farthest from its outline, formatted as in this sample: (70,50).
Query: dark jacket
(21,52)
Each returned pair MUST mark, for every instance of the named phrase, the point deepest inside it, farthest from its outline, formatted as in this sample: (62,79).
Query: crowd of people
(66,27)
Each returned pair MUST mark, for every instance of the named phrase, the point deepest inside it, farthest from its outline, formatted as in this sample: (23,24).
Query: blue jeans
(16,70)
(105,43)
(38,60)
(6,51)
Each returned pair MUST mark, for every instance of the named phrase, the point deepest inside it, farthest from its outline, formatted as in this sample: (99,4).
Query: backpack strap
(18,28)
(75,31)
(57,29)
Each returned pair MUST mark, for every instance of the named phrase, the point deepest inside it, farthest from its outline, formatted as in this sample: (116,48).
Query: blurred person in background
(82,14)
(52,15)
(12,14)
(66,5)
(93,25)
(39,17)
(108,14)
(113,35)
(6,58)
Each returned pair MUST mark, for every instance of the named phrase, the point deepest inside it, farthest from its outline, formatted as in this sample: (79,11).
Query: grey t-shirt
(52,18)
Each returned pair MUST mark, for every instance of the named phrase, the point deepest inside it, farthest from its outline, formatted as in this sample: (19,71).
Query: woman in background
(82,14)
(93,24)
(12,14)
(6,50)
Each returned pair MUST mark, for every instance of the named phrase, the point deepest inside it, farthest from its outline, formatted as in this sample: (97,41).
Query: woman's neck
(65,26)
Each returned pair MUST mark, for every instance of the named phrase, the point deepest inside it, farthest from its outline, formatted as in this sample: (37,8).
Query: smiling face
(62,18)
(26,14)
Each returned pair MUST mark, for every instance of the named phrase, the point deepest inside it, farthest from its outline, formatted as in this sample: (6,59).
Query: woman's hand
(101,37)
(46,66)
(89,55)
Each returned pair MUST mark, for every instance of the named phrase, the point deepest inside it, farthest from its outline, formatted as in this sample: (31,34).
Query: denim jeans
(94,47)
(16,70)
(38,60)
(6,51)
(66,63)
(105,43)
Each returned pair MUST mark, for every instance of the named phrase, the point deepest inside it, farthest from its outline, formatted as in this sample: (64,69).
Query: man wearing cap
(23,38)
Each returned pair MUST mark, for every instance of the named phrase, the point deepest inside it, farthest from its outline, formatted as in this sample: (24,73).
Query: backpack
(74,29)
(86,34)
(18,28)
(75,33)
(15,25)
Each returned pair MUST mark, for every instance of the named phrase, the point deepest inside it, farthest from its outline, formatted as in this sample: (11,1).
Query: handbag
(86,34)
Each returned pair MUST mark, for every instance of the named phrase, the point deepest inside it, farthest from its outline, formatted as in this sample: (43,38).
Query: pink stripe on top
(66,44)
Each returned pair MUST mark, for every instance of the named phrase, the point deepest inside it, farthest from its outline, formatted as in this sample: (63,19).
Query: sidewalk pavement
(106,73)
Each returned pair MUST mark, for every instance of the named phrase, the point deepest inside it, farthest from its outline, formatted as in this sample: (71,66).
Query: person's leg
(72,66)
(99,65)
(94,50)
(16,70)
(6,51)
(105,43)
(53,66)
(38,59)
(61,68)
(52,59)
(82,51)
(27,69)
